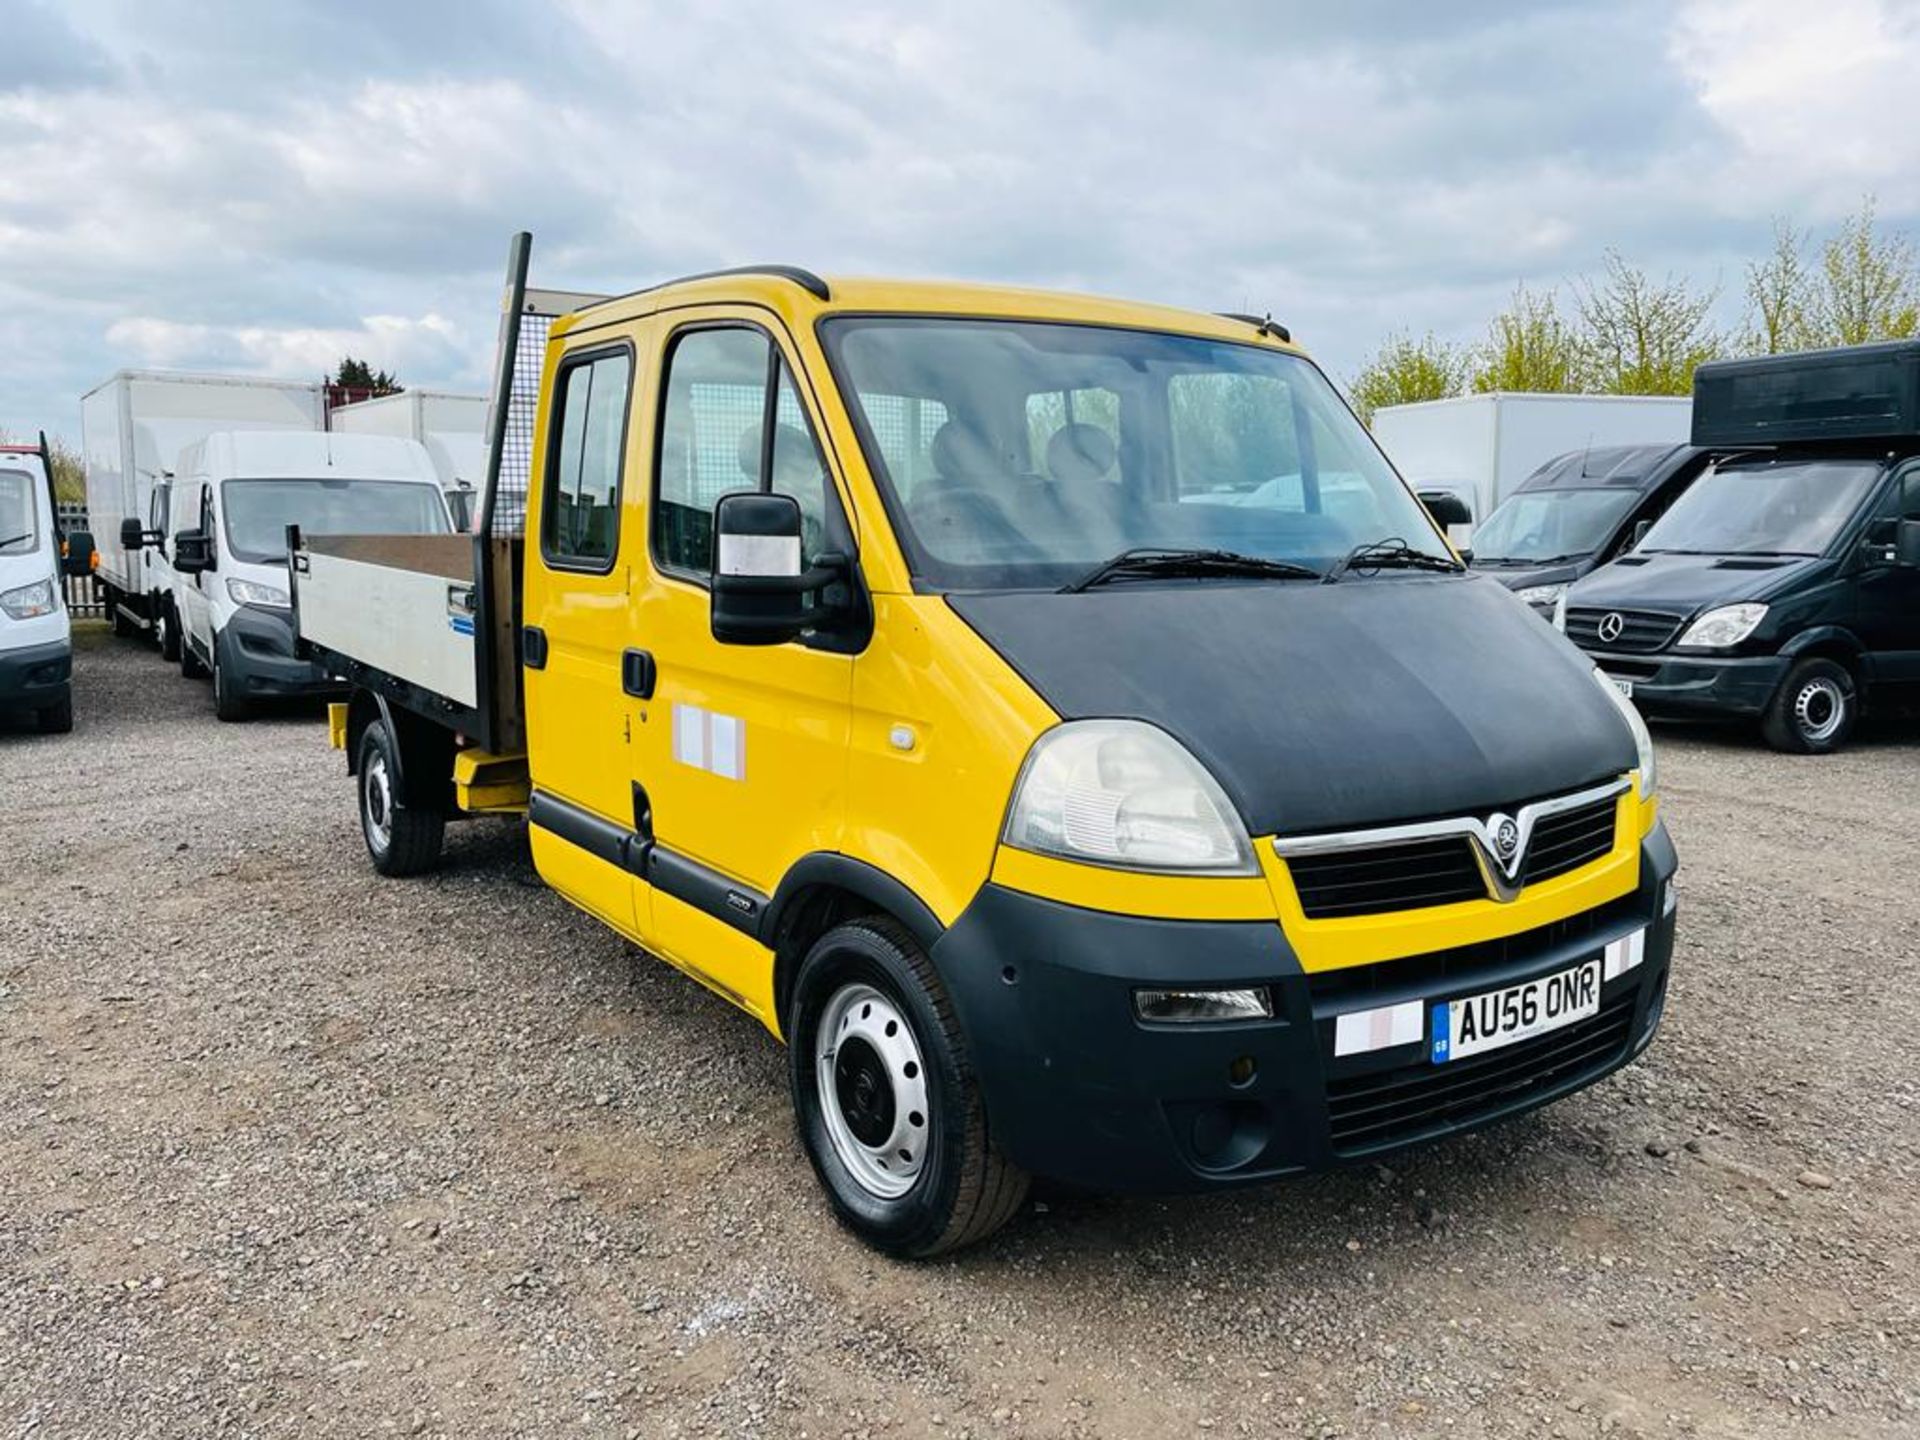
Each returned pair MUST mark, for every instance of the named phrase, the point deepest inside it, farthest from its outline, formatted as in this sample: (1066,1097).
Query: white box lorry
(1480,447)
(452,427)
(133,427)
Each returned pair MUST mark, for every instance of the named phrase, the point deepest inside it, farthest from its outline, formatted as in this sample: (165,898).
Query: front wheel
(885,1099)
(57,718)
(230,702)
(1814,709)
(402,839)
(167,628)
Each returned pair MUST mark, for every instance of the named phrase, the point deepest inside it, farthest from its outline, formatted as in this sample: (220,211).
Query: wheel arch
(823,890)
(423,751)
(1829,642)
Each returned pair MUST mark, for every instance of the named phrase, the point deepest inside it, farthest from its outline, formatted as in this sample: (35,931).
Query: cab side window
(580,528)
(732,420)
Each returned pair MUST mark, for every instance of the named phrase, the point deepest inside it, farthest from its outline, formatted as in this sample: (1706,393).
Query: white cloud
(401,344)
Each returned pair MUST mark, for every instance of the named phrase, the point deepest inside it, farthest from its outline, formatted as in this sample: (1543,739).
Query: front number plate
(1620,683)
(1520,1012)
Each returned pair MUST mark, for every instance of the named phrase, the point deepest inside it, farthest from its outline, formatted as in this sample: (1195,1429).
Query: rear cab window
(580,525)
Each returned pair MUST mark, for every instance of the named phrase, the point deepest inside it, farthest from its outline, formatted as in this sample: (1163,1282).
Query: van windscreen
(259,511)
(19,527)
(1537,526)
(1017,454)
(1792,507)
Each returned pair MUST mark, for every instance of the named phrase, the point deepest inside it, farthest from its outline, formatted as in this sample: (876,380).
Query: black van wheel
(402,839)
(167,631)
(57,718)
(230,702)
(1814,709)
(884,1097)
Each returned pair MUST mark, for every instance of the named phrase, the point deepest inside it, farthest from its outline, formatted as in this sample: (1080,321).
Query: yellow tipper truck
(1051,716)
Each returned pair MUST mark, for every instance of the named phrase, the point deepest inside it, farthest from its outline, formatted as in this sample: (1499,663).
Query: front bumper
(34,677)
(1682,685)
(1078,1089)
(256,652)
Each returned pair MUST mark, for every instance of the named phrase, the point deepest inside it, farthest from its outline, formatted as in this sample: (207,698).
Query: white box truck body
(133,427)
(452,427)
(1480,447)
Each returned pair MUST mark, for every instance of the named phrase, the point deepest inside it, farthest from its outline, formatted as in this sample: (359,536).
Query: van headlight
(29,602)
(1560,611)
(251,592)
(1642,739)
(1722,628)
(1543,597)
(1127,794)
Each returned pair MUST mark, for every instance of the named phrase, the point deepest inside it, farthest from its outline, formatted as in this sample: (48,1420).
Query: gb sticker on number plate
(1519,1012)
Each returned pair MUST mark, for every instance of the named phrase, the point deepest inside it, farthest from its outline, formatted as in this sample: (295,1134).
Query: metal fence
(83,596)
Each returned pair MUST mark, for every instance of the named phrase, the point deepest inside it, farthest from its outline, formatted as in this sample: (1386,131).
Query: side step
(489,784)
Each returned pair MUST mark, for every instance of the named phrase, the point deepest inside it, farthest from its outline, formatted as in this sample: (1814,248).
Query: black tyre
(166,627)
(1814,710)
(122,626)
(57,718)
(885,1099)
(230,702)
(402,839)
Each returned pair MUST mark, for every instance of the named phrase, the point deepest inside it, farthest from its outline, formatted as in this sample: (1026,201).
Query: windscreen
(1016,454)
(19,512)
(1786,508)
(1540,525)
(259,511)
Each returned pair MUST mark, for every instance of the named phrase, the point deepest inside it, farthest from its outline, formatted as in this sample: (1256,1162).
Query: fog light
(1667,898)
(1191,1006)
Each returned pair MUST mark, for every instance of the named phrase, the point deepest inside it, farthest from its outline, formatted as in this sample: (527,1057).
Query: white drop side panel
(407,622)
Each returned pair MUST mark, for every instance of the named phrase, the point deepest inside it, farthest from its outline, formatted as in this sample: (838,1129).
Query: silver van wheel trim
(1820,707)
(872,1083)
(376,802)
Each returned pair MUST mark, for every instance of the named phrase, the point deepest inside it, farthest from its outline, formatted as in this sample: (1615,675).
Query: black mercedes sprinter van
(1784,585)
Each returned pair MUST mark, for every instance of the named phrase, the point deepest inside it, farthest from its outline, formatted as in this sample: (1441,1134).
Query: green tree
(69,475)
(1406,370)
(1530,346)
(1645,336)
(1780,296)
(1866,288)
(358,375)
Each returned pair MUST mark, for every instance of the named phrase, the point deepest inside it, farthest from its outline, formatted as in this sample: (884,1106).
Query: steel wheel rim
(872,1083)
(376,807)
(1819,708)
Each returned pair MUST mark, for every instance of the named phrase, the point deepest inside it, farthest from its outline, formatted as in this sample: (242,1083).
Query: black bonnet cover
(1327,707)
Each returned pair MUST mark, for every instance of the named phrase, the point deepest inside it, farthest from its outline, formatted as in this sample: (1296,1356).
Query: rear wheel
(402,839)
(1814,710)
(884,1095)
(122,626)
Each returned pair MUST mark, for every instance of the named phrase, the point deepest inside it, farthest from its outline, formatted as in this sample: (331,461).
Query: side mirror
(1446,508)
(78,559)
(760,593)
(1640,529)
(1906,545)
(132,533)
(192,552)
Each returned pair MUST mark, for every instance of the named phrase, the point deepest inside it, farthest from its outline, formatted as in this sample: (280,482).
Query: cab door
(740,753)
(578,585)
(1887,614)
(194,591)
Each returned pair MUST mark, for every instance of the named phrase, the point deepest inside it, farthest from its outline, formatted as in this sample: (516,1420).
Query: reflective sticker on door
(710,741)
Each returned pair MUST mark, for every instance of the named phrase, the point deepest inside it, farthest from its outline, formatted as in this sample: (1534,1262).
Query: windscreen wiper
(1147,562)
(1394,554)
(15,539)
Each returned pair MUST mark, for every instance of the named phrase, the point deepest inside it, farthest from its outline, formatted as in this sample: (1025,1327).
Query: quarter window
(582,507)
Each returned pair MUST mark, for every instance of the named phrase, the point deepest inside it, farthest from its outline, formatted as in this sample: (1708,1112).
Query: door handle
(533,647)
(637,674)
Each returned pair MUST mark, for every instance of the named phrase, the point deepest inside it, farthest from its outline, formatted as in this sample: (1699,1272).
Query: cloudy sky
(262,185)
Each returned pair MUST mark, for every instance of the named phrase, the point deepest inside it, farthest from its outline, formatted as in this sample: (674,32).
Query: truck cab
(1051,716)
(36,639)
(234,495)
(1577,512)
(1784,586)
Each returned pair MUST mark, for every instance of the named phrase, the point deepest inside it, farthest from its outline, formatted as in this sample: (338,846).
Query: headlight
(1642,741)
(1543,597)
(30,601)
(247,592)
(1719,629)
(1560,611)
(1123,793)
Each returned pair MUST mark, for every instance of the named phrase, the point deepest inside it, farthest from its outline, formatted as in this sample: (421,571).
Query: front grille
(1419,1100)
(1641,631)
(1390,877)
(1569,840)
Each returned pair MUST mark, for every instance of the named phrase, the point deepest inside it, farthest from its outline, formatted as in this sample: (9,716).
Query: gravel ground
(288,1149)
